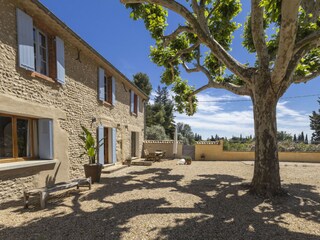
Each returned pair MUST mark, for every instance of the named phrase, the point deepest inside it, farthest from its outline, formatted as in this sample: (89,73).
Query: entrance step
(113,168)
(141,162)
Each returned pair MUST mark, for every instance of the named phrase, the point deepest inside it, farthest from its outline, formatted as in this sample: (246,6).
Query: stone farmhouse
(51,83)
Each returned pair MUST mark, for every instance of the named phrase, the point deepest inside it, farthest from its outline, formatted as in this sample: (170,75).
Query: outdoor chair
(150,156)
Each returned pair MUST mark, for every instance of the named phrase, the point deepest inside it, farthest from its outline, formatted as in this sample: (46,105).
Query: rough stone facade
(76,102)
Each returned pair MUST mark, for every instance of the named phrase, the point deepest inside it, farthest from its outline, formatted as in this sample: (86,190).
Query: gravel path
(206,200)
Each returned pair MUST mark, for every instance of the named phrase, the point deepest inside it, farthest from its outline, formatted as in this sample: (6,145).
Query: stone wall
(213,151)
(166,145)
(76,100)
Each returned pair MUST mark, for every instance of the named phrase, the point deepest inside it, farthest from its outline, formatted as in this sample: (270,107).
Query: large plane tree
(284,35)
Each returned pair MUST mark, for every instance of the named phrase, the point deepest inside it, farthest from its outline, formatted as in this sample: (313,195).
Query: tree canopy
(202,44)
(143,82)
(315,125)
(292,52)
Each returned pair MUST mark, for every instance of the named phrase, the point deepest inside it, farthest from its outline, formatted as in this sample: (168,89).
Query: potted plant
(93,168)
(128,161)
(188,160)
(202,157)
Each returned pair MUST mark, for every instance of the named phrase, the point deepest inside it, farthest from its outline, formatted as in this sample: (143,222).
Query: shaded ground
(206,200)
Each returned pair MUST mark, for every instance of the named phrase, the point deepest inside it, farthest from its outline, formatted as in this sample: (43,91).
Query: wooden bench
(44,192)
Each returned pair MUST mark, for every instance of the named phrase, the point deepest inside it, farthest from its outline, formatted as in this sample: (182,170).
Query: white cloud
(212,117)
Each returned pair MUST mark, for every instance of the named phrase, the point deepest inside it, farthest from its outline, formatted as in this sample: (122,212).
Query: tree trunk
(266,178)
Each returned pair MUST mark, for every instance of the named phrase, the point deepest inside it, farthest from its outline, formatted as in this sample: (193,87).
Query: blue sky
(106,26)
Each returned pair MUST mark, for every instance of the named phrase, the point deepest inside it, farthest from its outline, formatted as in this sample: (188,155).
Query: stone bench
(44,192)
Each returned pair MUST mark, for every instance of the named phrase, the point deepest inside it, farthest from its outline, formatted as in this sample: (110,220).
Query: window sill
(25,164)
(44,77)
(134,114)
(107,104)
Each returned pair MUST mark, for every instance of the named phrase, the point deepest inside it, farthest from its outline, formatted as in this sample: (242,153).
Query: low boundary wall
(213,151)
(166,145)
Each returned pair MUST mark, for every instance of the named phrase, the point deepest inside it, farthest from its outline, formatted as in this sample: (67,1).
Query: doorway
(133,144)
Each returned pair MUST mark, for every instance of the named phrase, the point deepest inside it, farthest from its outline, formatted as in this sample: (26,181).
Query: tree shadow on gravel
(225,210)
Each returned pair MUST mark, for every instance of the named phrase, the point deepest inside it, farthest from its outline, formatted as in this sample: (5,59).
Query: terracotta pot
(93,171)
(188,162)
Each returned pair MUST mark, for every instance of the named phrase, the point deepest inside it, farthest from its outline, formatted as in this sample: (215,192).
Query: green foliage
(283,146)
(154,17)
(309,64)
(89,145)
(183,96)
(315,125)
(161,112)
(185,133)
(156,132)
(143,82)
(284,136)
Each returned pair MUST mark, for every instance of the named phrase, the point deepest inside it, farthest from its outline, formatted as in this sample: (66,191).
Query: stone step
(113,168)
(141,162)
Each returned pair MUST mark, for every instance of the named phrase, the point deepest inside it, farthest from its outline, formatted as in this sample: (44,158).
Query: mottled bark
(266,179)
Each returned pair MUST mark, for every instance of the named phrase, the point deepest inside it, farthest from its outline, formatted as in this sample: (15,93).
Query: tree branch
(184,51)
(288,30)
(237,68)
(240,90)
(177,32)
(312,39)
(300,79)
(258,34)
(213,9)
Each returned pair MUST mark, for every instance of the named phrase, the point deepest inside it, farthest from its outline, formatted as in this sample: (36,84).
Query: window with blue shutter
(37,50)
(60,60)
(138,104)
(131,101)
(113,91)
(101,84)
(45,138)
(101,144)
(25,41)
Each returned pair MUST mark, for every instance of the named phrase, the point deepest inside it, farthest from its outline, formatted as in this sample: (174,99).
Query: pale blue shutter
(113,91)
(25,40)
(45,132)
(101,144)
(101,84)
(60,60)
(114,145)
(138,104)
(131,101)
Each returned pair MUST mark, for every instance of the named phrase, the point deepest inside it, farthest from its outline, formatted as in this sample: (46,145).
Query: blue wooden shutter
(101,84)
(25,40)
(138,104)
(131,101)
(45,132)
(113,91)
(60,60)
(114,145)
(101,144)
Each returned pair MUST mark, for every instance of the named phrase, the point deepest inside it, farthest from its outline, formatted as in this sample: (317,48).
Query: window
(34,48)
(108,89)
(40,45)
(17,137)
(134,98)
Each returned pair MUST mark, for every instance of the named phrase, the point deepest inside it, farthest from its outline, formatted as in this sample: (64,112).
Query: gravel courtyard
(206,200)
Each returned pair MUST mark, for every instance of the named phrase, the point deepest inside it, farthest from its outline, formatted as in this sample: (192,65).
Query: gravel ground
(206,200)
